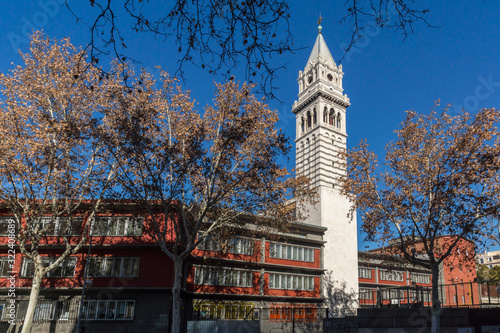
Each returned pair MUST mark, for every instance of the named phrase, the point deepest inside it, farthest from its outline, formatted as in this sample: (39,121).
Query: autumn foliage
(440,178)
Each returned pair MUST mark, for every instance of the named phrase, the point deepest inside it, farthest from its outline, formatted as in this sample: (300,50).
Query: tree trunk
(30,312)
(176,296)
(436,303)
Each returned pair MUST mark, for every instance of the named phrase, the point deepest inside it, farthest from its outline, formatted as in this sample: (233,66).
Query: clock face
(329,77)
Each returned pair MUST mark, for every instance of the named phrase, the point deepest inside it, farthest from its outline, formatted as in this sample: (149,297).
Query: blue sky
(457,62)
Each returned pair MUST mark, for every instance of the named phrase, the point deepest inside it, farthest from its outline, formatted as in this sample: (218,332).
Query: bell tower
(320,114)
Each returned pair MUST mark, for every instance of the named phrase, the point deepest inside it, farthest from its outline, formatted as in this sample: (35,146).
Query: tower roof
(320,50)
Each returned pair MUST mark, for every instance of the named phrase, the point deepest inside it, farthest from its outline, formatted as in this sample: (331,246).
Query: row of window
(400,294)
(102,226)
(365,273)
(98,267)
(228,311)
(49,310)
(291,252)
(217,276)
(108,310)
(293,314)
(420,278)
(291,282)
(117,226)
(66,268)
(113,267)
(366,293)
(236,245)
(391,276)
(328,118)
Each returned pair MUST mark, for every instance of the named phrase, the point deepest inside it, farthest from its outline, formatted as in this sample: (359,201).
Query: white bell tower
(320,113)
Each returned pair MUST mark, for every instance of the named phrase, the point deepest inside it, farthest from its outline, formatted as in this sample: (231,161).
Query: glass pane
(116,270)
(134,270)
(111,309)
(138,226)
(107,266)
(243,281)
(101,309)
(129,314)
(126,267)
(92,310)
(120,309)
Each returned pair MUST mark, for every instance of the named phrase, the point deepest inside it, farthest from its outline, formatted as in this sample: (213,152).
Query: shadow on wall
(340,301)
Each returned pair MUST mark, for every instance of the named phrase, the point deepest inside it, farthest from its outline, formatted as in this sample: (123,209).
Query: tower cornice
(299,105)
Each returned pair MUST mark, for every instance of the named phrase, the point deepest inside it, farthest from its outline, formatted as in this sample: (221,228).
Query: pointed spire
(320,49)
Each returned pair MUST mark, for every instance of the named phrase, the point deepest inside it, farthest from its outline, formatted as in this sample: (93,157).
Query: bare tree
(197,173)
(51,175)
(397,15)
(437,190)
(217,36)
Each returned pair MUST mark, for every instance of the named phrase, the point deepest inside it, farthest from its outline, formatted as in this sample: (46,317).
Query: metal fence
(466,294)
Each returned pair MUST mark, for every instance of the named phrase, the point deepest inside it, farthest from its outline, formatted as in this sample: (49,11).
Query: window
(331,118)
(338,120)
(226,310)
(291,252)
(292,282)
(59,226)
(393,294)
(117,226)
(420,278)
(65,269)
(308,119)
(217,276)
(108,310)
(296,314)
(481,261)
(391,276)
(237,245)
(5,266)
(365,293)
(241,246)
(5,222)
(314,117)
(113,267)
(365,273)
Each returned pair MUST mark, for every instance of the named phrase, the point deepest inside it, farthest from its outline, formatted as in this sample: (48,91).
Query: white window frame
(223,276)
(110,262)
(291,282)
(108,304)
(130,226)
(365,273)
(291,252)
(387,275)
(46,261)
